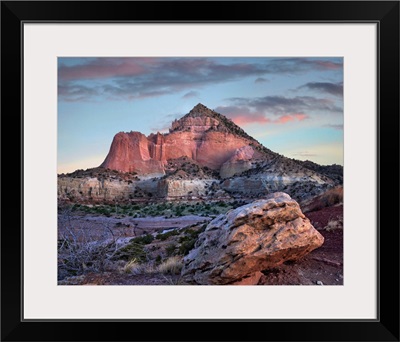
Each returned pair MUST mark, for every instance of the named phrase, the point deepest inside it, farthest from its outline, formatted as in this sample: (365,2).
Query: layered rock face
(130,152)
(202,135)
(93,189)
(174,188)
(235,247)
(239,162)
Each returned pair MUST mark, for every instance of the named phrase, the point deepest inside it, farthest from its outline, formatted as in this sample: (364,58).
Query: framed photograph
(198,163)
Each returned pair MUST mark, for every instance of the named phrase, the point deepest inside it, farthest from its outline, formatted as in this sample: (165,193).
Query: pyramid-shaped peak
(200,110)
(199,106)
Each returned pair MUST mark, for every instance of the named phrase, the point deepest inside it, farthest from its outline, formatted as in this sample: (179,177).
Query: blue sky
(293,106)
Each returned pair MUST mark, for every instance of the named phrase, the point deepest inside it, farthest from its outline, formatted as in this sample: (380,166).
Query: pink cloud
(329,65)
(242,115)
(242,120)
(291,117)
(102,69)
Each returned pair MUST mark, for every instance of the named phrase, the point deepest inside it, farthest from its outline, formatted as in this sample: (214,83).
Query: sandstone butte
(205,136)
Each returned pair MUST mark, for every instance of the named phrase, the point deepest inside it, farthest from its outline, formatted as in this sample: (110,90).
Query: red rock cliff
(202,135)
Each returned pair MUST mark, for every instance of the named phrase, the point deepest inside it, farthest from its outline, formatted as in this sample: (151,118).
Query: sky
(293,106)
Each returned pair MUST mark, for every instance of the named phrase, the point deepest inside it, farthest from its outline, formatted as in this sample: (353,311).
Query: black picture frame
(384,13)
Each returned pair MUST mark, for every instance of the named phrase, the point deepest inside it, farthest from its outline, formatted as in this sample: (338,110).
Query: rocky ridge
(204,155)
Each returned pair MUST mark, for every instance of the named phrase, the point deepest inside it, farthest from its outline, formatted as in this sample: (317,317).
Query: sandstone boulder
(250,239)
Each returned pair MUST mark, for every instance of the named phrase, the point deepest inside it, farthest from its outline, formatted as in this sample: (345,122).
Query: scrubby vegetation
(101,173)
(80,253)
(155,209)
(334,171)
(187,168)
(331,197)
(334,224)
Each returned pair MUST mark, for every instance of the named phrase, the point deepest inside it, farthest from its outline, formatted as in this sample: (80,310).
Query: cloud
(339,127)
(76,92)
(106,67)
(325,87)
(299,65)
(243,116)
(277,109)
(136,77)
(304,154)
(260,80)
(329,65)
(162,128)
(280,105)
(101,68)
(190,94)
(291,117)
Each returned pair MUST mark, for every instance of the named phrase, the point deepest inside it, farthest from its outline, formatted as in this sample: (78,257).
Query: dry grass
(172,265)
(134,267)
(329,198)
(334,224)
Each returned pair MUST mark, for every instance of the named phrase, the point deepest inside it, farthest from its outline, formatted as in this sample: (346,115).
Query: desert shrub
(135,249)
(158,259)
(330,198)
(170,249)
(165,236)
(80,251)
(333,196)
(135,267)
(189,239)
(172,265)
(143,240)
(132,251)
(186,247)
(334,224)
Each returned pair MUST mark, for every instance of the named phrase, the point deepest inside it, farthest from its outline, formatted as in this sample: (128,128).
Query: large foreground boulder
(235,247)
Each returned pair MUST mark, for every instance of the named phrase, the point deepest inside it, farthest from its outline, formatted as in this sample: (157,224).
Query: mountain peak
(201,110)
(202,119)
(199,119)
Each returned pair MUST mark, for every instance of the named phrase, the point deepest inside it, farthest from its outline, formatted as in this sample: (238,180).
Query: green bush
(158,259)
(186,247)
(132,251)
(143,240)
(166,235)
(170,249)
